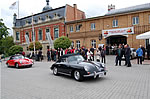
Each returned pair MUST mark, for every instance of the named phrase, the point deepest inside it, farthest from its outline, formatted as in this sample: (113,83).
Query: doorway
(112,40)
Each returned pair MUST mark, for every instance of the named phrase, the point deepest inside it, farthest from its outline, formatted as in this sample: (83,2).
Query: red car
(19,61)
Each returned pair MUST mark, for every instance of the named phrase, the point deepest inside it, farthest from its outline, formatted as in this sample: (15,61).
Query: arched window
(17,36)
(93,43)
(78,44)
(72,44)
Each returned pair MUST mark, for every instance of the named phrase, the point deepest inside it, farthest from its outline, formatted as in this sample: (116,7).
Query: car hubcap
(55,70)
(17,66)
(77,75)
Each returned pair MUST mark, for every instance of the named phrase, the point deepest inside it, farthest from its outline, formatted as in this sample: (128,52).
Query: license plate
(100,75)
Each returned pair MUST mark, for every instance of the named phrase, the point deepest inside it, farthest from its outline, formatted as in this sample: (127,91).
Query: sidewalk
(145,62)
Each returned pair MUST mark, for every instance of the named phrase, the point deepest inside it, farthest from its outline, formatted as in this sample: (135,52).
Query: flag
(13,6)
(27,39)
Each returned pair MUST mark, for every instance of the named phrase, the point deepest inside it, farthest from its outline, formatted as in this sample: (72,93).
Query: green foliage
(38,46)
(3,30)
(5,44)
(15,50)
(62,42)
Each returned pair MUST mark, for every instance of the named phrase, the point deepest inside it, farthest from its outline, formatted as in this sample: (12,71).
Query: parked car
(19,61)
(133,54)
(76,66)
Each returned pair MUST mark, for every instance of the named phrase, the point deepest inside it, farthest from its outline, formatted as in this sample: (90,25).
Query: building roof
(129,9)
(42,15)
(132,9)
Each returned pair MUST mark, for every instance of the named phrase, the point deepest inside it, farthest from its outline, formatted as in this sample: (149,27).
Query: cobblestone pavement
(38,82)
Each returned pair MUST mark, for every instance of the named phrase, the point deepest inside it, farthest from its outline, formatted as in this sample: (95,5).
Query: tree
(3,30)
(16,49)
(62,42)
(3,38)
(38,46)
(6,43)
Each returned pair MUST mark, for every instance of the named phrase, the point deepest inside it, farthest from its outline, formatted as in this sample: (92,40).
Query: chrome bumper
(95,74)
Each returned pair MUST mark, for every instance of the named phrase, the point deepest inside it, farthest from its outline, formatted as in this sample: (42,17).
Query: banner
(27,39)
(119,31)
(50,39)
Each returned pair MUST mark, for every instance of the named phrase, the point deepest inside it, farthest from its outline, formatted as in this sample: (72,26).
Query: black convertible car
(76,66)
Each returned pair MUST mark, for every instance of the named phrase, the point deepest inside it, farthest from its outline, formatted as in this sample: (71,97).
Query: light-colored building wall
(125,20)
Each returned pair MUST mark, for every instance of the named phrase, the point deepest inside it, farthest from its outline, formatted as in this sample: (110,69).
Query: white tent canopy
(144,36)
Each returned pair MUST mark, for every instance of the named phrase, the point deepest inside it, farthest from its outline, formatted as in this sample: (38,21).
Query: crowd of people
(121,51)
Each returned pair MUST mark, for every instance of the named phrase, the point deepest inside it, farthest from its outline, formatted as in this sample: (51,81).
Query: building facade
(51,21)
(118,26)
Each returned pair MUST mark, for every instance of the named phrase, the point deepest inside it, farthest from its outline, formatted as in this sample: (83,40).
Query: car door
(11,61)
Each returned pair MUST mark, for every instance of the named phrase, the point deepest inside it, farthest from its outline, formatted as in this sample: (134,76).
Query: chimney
(111,7)
(14,19)
(75,11)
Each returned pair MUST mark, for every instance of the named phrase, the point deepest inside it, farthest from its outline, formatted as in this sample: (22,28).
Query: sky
(92,8)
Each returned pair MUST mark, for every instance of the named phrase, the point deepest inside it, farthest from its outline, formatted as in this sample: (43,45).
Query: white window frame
(77,28)
(115,23)
(78,44)
(46,32)
(72,44)
(54,32)
(18,36)
(93,43)
(92,26)
(71,28)
(135,20)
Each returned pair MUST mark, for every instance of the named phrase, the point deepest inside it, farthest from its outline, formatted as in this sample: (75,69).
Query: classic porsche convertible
(76,66)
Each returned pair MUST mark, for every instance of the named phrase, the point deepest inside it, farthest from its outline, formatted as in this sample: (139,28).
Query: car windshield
(19,57)
(76,58)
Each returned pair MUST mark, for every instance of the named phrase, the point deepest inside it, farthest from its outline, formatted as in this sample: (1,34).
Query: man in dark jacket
(118,55)
(127,55)
(143,49)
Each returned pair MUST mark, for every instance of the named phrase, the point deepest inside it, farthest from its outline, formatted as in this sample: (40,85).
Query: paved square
(38,82)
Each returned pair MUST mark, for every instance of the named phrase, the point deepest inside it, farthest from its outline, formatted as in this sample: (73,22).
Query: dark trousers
(128,63)
(118,58)
(139,58)
(48,58)
(103,59)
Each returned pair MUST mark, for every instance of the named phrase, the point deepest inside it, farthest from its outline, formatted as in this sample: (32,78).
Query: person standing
(139,52)
(89,53)
(48,55)
(148,52)
(127,55)
(92,50)
(103,53)
(118,55)
(143,49)
(98,55)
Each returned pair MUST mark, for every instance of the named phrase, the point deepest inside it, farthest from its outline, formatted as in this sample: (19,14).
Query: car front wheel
(17,65)
(55,71)
(77,76)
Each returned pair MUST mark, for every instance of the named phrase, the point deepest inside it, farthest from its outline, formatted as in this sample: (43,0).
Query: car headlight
(86,68)
(103,65)
(21,62)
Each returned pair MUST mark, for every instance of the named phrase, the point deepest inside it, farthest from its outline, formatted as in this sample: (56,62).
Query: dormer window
(39,18)
(47,17)
(26,21)
(55,15)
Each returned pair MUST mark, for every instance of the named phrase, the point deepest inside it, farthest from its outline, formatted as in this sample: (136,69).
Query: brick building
(50,21)
(118,26)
